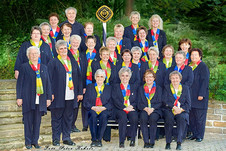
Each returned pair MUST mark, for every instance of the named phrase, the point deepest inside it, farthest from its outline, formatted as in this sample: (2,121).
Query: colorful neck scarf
(85,35)
(187,58)
(119,46)
(155,67)
(195,66)
(181,68)
(114,59)
(176,96)
(76,56)
(124,65)
(149,95)
(49,43)
(169,64)
(134,32)
(139,63)
(125,93)
(68,44)
(107,70)
(155,37)
(144,50)
(56,33)
(89,69)
(68,69)
(39,86)
(33,43)
(98,99)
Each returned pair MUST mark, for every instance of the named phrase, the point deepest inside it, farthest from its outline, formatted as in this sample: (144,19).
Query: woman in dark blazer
(127,57)
(45,51)
(111,44)
(185,45)
(177,103)
(155,65)
(149,104)
(131,31)
(55,29)
(97,101)
(168,56)
(156,36)
(33,96)
(125,102)
(45,27)
(122,42)
(199,95)
(66,81)
(186,71)
(105,65)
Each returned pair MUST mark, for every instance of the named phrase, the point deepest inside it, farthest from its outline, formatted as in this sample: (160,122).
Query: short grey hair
(30,48)
(123,70)
(111,39)
(136,48)
(134,13)
(75,37)
(60,43)
(153,49)
(99,71)
(181,52)
(175,73)
(45,24)
(70,8)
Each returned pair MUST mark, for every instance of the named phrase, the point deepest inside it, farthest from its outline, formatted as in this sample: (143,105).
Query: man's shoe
(84,129)
(132,143)
(198,139)
(75,130)
(69,142)
(168,146)
(36,146)
(28,146)
(178,146)
(93,144)
(146,145)
(151,145)
(99,144)
(121,145)
(56,143)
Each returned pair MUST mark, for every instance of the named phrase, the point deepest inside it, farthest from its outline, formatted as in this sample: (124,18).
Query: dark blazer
(91,94)
(160,74)
(82,65)
(55,54)
(26,87)
(119,57)
(84,47)
(77,28)
(118,99)
(136,43)
(173,62)
(187,76)
(200,86)
(57,75)
(126,44)
(135,78)
(45,53)
(128,33)
(156,101)
(96,65)
(162,40)
(185,99)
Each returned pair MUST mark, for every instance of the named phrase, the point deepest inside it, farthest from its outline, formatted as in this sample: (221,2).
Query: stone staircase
(11,126)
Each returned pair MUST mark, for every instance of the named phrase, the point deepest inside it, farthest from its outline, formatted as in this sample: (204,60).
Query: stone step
(7,91)
(7,84)
(10,114)
(9,106)
(4,97)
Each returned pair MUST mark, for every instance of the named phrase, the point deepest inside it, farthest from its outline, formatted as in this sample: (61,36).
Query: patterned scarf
(119,46)
(68,69)
(187,58)
(89,69)
(144,50)
(124,65)
(139,63)
(76,56)
(169,64)
(39,86)
(134,32)
(114,59)
(126,95)
(48,41)
(98,99)
(155,67)
(149,95)
(85,35)
(33,43)
(155,37)
(176,96)
(181,68)
(68,44)
(107,70)
(56,33)
(195,66)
